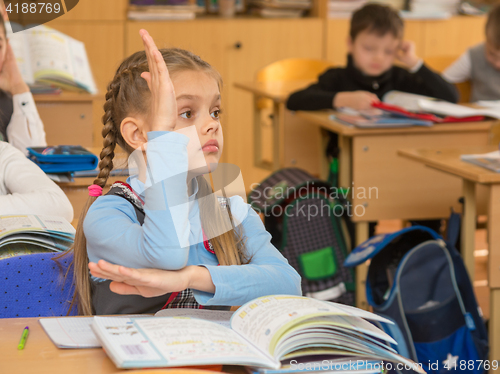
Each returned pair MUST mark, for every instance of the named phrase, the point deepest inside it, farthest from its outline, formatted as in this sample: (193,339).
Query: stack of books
(158,10)
(280,8)
(435,6)
(343,8)
(396,4)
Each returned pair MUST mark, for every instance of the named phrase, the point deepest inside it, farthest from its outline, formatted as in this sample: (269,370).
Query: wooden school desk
(41,356)
(447,161)
(385,186)
(287,139)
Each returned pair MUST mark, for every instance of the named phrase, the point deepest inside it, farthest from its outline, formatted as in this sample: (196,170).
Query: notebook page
(49,53)
(221,317)
(455,110)
(81,69)
(19,45)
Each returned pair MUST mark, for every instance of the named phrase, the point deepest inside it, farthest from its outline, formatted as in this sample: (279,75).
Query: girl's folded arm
(114,234)
(267,273)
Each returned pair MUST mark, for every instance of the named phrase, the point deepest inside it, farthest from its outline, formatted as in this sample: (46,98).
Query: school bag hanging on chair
(418,280)
(308,223)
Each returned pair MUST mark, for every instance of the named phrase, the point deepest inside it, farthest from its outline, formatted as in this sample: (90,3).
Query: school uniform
(171,236)
(420,80)
(26,189)
(20,123)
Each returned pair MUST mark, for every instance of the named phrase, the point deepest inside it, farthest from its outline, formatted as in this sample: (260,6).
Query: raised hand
(163,109)
(10,76)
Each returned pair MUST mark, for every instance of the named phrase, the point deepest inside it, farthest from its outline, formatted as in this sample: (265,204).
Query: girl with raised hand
(168,218)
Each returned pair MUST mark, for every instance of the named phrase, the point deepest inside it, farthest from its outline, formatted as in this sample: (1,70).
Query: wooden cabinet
(67,118)
(97,10)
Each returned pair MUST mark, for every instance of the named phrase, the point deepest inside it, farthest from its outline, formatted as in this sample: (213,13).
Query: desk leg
(323,159)
(494,270)
(494,324)
(468,233)
(361,270)
(278,135)
(257,134)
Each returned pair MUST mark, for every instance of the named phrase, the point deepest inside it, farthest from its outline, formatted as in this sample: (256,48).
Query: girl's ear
(133,132)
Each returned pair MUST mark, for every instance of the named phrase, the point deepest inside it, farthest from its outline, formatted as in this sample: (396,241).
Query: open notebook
(447,112)
(47,56)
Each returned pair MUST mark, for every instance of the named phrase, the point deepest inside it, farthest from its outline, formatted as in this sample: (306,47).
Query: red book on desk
(424,116)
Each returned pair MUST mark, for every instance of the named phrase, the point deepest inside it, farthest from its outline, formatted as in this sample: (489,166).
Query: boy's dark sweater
(320,95)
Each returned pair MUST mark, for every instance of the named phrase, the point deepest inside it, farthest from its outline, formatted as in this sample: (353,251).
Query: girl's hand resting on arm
(152,282)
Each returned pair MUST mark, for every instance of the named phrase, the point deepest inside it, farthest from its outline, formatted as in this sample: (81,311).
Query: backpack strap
(124,190)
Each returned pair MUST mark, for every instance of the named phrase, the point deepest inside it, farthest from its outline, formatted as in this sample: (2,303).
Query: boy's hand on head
(407,54)
(358,100)
(163,108)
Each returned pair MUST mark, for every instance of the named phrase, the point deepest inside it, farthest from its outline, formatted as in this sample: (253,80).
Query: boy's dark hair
(493,26)
(378,19)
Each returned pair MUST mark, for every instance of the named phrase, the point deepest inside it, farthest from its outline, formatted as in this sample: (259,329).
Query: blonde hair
(127,94)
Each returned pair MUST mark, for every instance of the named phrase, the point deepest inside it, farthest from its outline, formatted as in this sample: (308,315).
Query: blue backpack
(420,282)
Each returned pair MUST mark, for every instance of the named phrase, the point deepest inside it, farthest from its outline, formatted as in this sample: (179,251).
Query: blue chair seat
(35,285)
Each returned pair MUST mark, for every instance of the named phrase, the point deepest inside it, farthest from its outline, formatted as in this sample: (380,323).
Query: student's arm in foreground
(29,190)
(25,128)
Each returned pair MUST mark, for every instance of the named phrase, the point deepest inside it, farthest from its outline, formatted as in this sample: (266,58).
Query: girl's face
(199,107)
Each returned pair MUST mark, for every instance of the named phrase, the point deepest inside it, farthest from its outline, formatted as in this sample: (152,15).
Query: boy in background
(375,43)
(481,64)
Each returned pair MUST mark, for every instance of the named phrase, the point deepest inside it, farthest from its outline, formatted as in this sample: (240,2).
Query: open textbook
(47,56)
(263,333)
(419,103)
(489,160)
(25,233)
